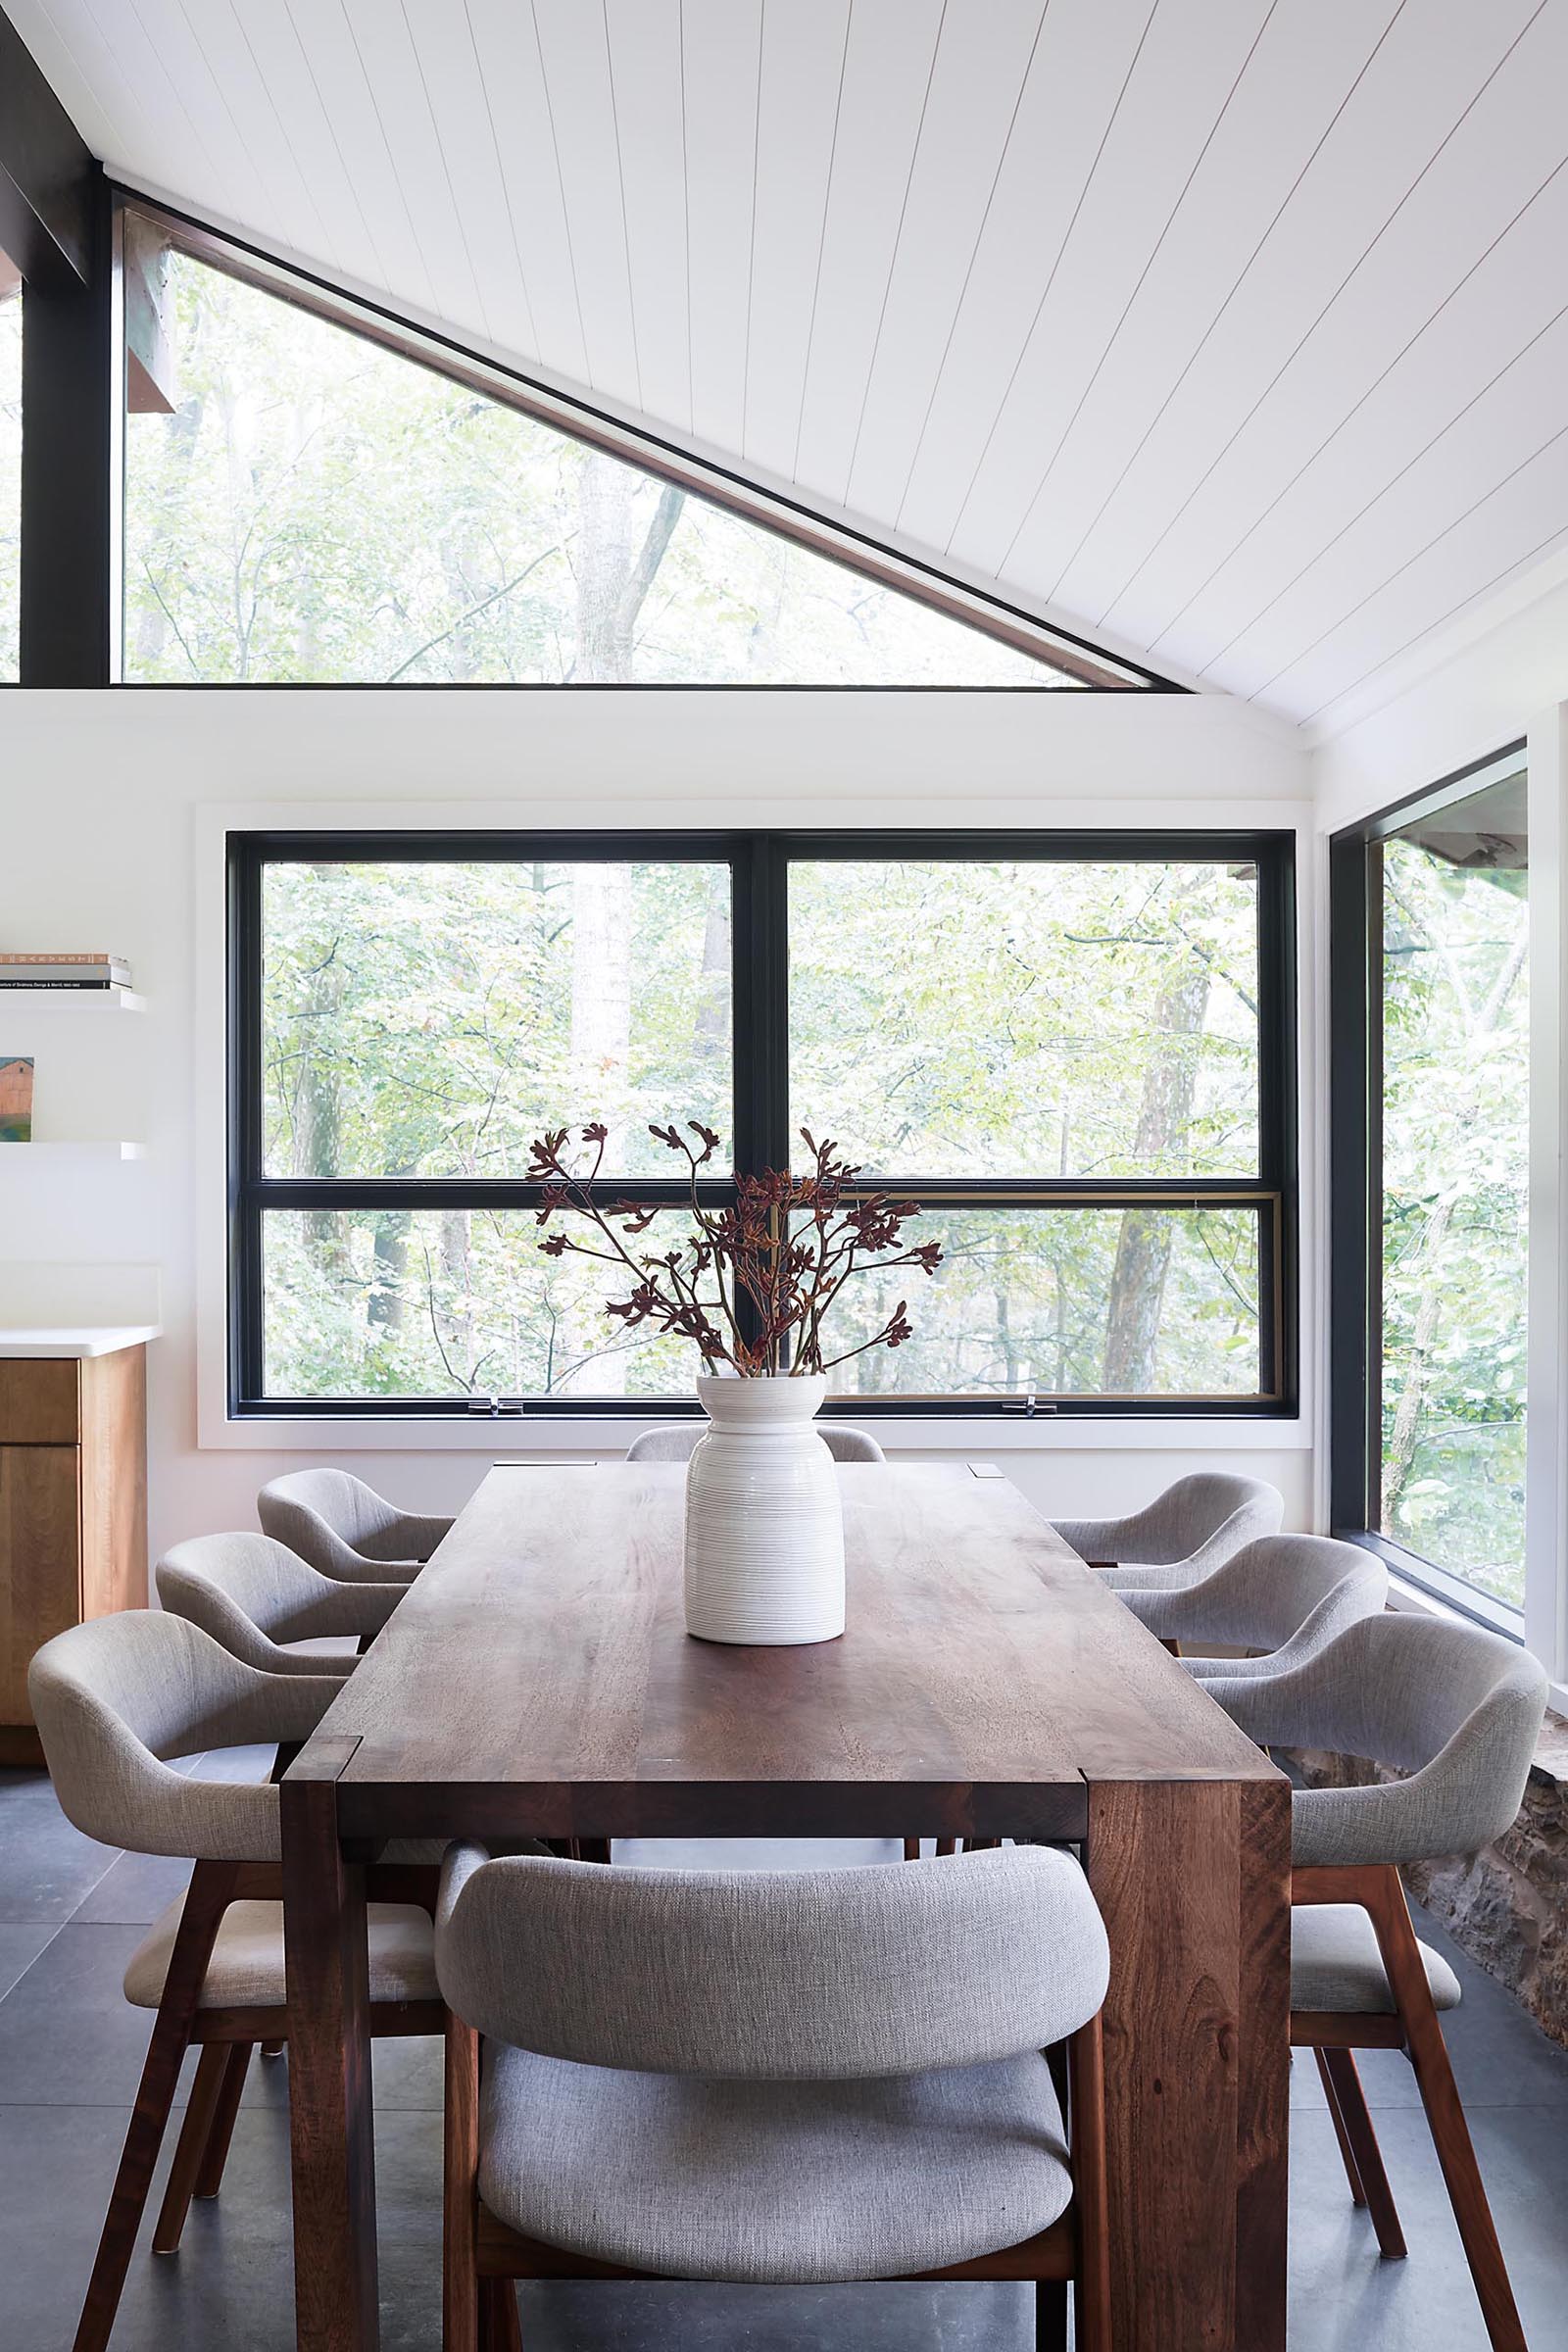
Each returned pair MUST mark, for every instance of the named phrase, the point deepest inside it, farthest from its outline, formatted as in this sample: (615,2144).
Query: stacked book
(62,970)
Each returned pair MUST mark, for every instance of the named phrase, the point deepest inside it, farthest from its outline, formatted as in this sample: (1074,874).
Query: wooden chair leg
(594,1849)
(460,2287)
(500,2330)
(190,2147)
(1364,2159)
(272,2049)
(1086,2124)
(210,2178)
(1347,2152)
(912,1849)
(1051,2316)
(1450,2134)
(947,1845)
(210,1891)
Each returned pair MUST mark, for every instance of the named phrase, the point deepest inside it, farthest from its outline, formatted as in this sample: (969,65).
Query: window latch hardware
(1029,1404)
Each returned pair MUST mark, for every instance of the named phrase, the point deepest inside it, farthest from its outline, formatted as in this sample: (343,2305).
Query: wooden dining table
(538,1681)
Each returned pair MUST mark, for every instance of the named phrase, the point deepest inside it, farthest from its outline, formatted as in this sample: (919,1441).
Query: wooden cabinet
(72,1509)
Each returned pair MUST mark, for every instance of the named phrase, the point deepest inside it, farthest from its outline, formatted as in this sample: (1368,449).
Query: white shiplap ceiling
(1232,334)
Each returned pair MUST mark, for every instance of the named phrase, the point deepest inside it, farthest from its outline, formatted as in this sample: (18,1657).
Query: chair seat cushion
(1336,1963)
(697,2179)
(246,1969)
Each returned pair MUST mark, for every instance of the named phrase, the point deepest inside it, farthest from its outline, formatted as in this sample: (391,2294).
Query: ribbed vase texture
(764,1530)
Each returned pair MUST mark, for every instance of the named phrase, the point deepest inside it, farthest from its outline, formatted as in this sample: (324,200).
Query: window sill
(560,1433)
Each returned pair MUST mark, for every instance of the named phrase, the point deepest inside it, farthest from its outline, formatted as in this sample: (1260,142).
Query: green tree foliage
(1455,1152)
(1019,1020)
(319,508)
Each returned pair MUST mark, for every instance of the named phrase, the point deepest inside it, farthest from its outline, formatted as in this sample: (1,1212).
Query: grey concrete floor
(71,2050)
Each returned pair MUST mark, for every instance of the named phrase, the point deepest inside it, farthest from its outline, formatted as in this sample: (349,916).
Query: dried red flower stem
(752,1250)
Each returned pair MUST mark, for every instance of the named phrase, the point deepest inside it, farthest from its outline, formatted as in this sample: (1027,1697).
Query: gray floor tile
(1344,2298)
(47,1867)
(20,1947)
(68,2036)
(135,1890)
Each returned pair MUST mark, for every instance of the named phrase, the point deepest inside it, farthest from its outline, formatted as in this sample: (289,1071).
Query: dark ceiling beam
(46,172)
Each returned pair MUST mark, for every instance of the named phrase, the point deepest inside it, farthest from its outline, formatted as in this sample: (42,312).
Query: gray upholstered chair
(115,1699)
(1195,1525)
(253,1594)
(678,1440)
(343,1528)
(1285,1596)
(756,2075)
(1456,1711)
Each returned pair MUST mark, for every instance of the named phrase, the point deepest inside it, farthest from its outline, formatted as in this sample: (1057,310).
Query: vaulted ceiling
(1232,332)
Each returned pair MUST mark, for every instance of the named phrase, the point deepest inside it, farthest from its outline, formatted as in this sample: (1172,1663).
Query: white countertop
(75,1340)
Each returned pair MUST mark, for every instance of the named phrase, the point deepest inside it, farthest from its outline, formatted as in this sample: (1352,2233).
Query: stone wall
(1508,1904)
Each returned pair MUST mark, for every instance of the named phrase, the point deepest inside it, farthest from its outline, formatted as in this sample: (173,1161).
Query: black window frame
(759,861)
(1356,1186)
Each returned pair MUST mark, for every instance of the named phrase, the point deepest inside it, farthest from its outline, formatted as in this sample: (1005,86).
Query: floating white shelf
(72,1000)
(22,1155)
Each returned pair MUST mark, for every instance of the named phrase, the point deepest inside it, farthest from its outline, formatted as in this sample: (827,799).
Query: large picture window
(1431,1146)
(1074,1054)
(307,504)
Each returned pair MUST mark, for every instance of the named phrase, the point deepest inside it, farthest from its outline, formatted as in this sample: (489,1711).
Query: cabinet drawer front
(40,1402)
(40,1560)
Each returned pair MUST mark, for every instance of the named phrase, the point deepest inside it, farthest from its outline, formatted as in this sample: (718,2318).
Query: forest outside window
(1072,1053)
(1431,1144)
(306,504)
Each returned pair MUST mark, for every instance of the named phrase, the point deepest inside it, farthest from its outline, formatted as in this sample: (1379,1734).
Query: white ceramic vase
(764,1530)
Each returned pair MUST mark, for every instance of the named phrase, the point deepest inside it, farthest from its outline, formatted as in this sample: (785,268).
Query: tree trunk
(614,573)
(1144,1244)
(711,1023)
(319,1118)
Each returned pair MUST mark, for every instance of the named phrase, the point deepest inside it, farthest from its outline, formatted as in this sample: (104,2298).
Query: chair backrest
(773,1974)
(251,1593)
(115,1698)
(677,1442)
(1198,1522)
(1282,1592)
(1206,1517)
(331,1498)
(1458,1709)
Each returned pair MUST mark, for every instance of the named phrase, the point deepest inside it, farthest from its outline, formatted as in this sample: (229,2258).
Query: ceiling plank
(1489,326)
(391,68)
(576,69)
(513,73)
(887,75)
(1176,98)
(1459,472)
(1517,525)
(645,65)
(1087,49)
(1295,87)
(720,64)
(798,110)
(1213,460)
(975,99)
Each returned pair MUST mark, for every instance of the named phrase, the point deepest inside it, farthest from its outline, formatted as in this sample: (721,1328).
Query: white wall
(99,845)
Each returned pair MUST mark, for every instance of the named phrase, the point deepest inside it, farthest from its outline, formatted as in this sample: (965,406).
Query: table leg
(1193,1881)
(329,2067)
